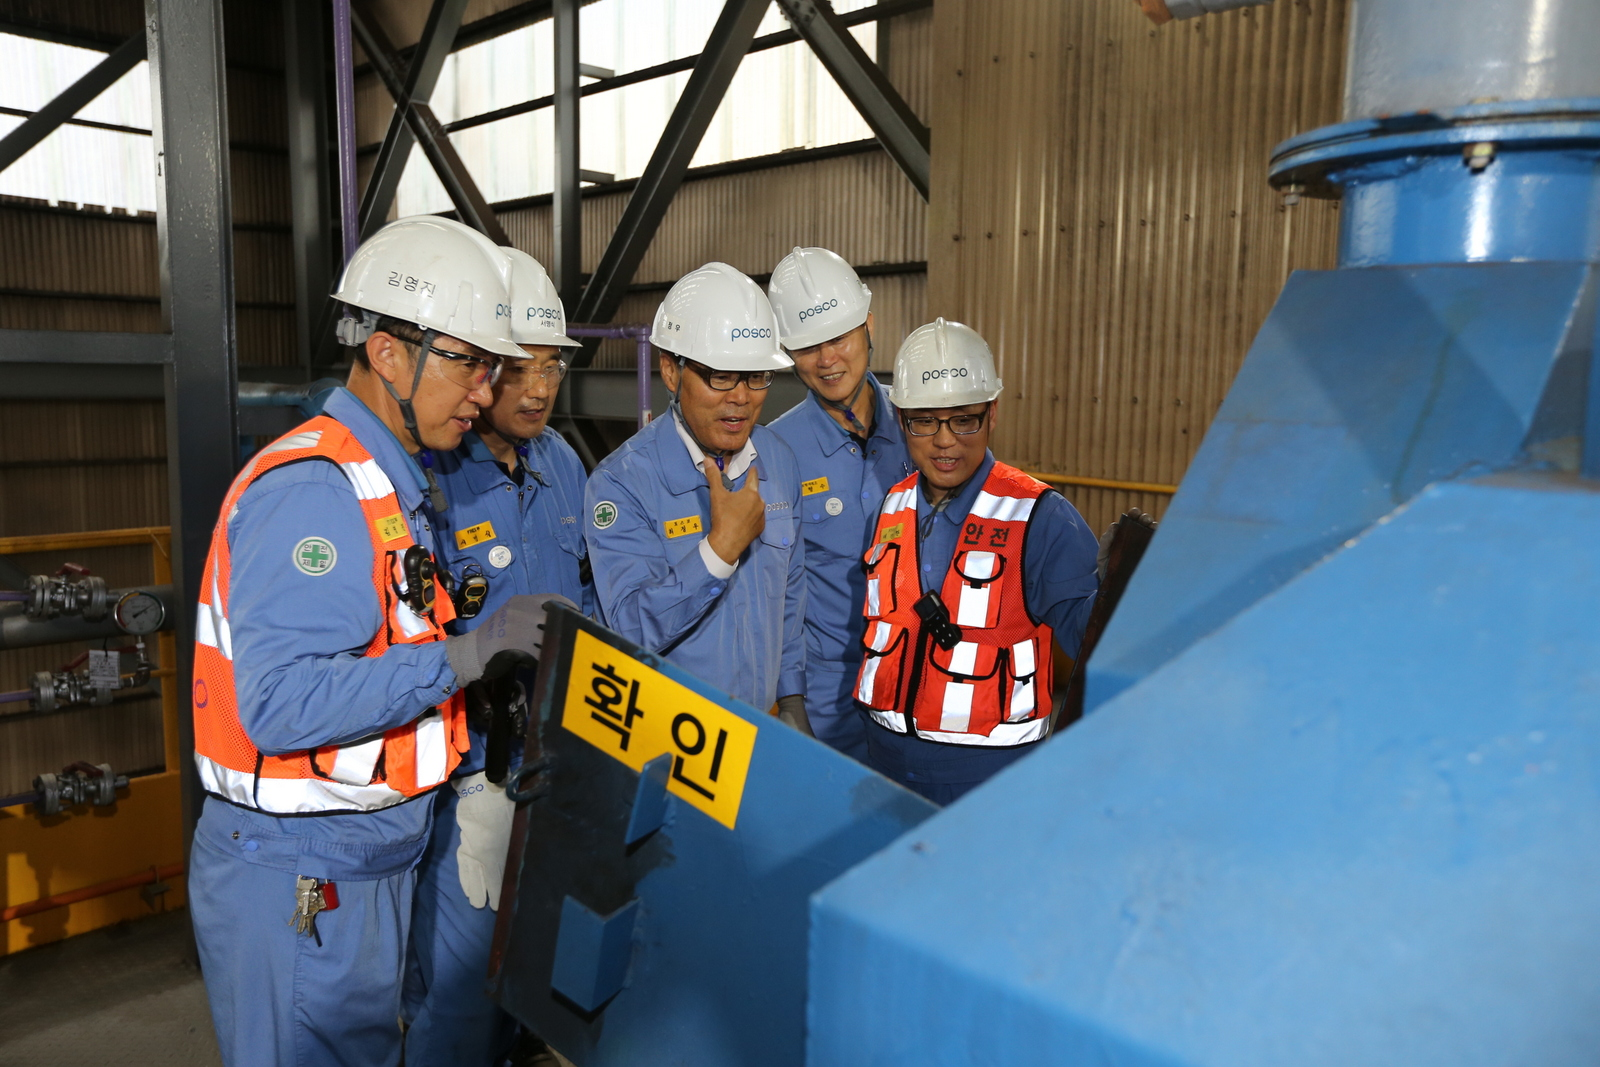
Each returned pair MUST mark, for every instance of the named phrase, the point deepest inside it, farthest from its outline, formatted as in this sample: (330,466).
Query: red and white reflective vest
(993,687)
(366,775)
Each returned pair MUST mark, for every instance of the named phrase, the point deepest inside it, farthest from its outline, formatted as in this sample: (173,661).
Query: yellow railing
(1103,483)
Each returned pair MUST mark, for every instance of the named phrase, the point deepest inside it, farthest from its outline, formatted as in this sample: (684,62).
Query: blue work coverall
(536,547)
(843,481)
(278,996)
(1059,585)
(743,634)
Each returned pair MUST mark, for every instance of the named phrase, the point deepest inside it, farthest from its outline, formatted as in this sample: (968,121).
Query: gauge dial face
(140,613)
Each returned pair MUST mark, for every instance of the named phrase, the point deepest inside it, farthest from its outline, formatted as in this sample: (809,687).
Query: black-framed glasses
(553,373)
(725,381)
(928,425)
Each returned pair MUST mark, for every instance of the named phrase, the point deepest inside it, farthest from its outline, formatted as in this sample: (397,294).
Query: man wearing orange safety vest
(974,571)
(327,703)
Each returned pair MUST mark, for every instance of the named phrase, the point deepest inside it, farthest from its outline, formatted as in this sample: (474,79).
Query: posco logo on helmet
(819,309)
(751,333)
(542,313)
(944,372)
(502,311)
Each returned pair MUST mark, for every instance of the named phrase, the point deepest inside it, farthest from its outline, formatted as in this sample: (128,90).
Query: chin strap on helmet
(716,456)
(436,497)
(847,408)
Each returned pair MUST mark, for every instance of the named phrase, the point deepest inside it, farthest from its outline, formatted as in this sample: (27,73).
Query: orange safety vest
(993,687)
(366,775)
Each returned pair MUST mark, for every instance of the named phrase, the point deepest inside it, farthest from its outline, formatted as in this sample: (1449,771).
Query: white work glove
(484,818)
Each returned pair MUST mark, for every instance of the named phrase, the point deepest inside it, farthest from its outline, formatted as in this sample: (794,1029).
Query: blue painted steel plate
(1358,824)
(662,918)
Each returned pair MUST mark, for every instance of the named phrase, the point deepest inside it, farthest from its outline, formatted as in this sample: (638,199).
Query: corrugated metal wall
(1100,213)
(74,465)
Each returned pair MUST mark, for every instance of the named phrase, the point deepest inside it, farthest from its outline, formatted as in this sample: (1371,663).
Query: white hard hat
(537,317)
(943,365)
(438,274)
(720,318)
(816,297)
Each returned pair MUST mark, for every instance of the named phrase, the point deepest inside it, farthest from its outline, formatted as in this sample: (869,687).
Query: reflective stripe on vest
(364,775)
(987,689)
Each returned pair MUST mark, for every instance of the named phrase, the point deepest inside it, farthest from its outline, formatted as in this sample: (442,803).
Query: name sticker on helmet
(826,305)
(402,280)
(944,372)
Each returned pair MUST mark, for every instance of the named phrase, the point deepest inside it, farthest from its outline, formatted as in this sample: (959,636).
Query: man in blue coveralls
(847,440)
(691,523)
(515,490)
(325,703)
(975,570)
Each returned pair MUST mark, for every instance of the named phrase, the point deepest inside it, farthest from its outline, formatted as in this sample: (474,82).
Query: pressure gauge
(140,613)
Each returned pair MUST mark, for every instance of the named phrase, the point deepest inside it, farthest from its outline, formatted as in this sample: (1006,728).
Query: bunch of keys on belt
(311,896)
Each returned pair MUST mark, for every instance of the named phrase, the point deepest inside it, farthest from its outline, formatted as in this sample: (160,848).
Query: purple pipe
(16,696)
(344,96)
(641,334)
(24,597)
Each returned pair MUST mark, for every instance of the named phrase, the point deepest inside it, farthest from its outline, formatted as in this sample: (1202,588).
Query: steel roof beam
(194,239)
(866,86)
(473,209)
(71,100)
(427,60)
(726,47)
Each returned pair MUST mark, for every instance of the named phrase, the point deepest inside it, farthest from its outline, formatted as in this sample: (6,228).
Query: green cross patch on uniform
(315,556)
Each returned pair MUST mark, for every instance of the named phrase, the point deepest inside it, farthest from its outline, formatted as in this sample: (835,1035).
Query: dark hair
(408,332)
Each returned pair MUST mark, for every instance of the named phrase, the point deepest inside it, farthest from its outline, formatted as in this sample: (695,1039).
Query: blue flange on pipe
(1530,189)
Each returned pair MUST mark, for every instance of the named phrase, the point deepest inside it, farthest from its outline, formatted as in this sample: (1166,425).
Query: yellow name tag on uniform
(813,487)
(634,714)
(680,527)
(475,535)
(892,533)
(391,527)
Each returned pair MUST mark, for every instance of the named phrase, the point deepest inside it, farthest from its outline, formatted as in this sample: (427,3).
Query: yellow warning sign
(813,487)
(391,527)
(680,527)
(892,533)
(634,714)
(474,535)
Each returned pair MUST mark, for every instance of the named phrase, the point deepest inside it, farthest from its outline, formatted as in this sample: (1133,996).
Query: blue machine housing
(1336,799)
(635,928)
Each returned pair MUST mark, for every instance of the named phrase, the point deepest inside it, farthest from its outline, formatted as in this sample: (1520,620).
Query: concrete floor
(126,995)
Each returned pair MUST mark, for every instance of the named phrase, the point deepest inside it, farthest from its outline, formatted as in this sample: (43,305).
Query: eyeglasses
(725,381)
(523,372)
(927,425)
(469,370)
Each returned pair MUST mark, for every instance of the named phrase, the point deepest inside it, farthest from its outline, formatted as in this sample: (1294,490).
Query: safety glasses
(471,371)
(725,381)
(522,373)
(927,425)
